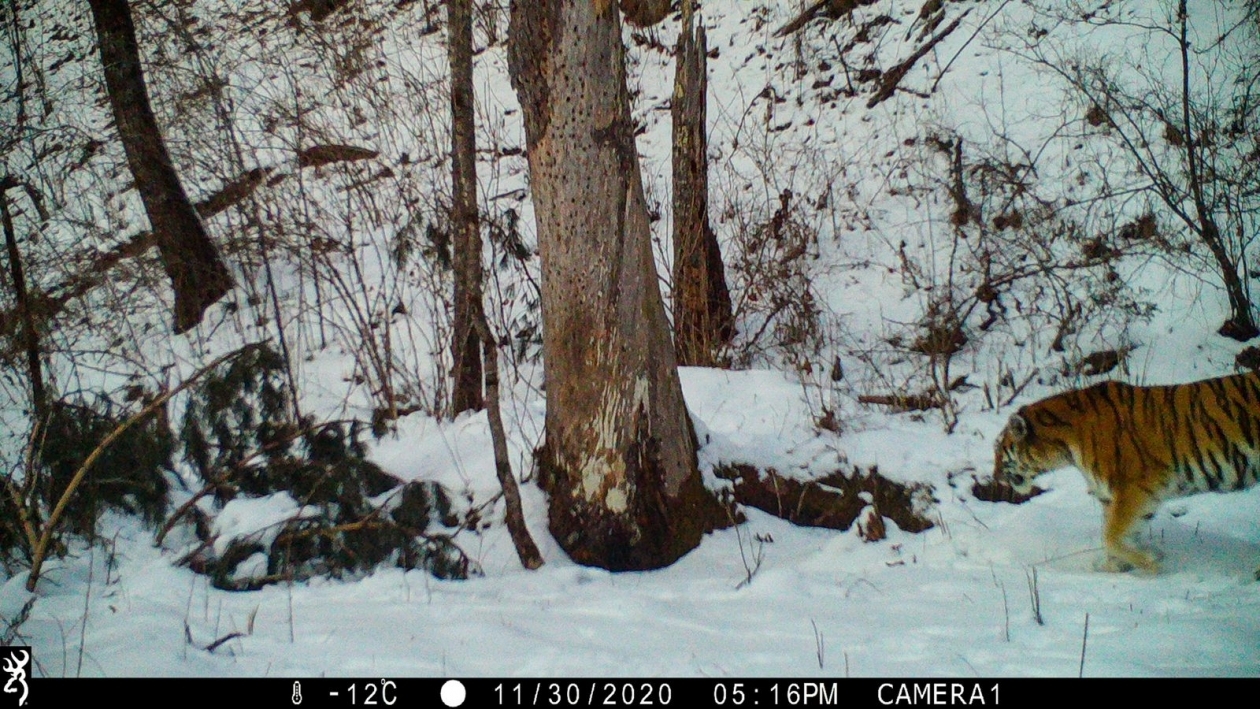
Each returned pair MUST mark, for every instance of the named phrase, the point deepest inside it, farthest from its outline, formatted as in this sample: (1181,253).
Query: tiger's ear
(1019,427)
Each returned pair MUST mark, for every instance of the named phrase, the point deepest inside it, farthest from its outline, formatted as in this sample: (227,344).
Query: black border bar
(480,693)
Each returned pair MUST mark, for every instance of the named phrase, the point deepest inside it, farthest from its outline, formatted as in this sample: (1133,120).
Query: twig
(1035,596)
(1006,612)
(87,600)
(183,509)
(961,49)
(820,644)
(11,625)
(368,521)
(1084,640)
(230,636)
(1020,389)
(750,570)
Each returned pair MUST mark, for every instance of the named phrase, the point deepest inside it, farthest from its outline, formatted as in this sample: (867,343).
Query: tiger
(1138,446)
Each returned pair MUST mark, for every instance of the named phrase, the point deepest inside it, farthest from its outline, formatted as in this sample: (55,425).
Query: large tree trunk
(197,272)
(466,393)
(703,321)
(619,460)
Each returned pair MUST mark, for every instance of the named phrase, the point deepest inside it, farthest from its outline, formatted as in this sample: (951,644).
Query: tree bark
(703,320)
(619,460)
(642,13)
(513,515)
(466,394)
(1241,324)
(21,297)
(472,330)
(197,272)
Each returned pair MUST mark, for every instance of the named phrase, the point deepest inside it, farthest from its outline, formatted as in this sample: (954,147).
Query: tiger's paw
(1133,559)
(1112,565)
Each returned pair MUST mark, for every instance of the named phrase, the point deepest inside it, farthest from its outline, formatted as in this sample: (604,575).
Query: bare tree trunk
(619,461)
(30,335)
(466,393)
(197,272)
(1241,324)
(472,331)
(703,321)
(513,515)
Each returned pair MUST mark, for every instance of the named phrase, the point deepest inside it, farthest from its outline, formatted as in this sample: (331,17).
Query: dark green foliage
(308,547)
(220,569)
(349,535)
(129,476)
(421,504)
(239,414)
(438,555)
(240,435)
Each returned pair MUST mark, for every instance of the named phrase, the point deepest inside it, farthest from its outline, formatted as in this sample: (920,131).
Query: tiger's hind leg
(1119,518)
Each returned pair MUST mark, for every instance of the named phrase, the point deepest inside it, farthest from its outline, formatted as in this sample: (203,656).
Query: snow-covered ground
(956,600)
(766,598)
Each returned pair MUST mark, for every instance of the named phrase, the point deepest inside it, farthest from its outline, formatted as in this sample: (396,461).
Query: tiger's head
(1020,455)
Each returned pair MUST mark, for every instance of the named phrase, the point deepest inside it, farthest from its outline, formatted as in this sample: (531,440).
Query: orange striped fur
(1138,446)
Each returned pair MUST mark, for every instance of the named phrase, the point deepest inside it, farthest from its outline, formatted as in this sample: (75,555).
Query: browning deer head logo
(17,674)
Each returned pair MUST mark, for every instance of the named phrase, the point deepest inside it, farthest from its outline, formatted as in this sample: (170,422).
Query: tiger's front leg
(1119,518)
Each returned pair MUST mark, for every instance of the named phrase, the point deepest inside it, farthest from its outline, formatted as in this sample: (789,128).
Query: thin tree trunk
(1241,325)
(197,272)
(619,460)
(466,393)
(472,330)
(30,336)
(703,320)
(513,515)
